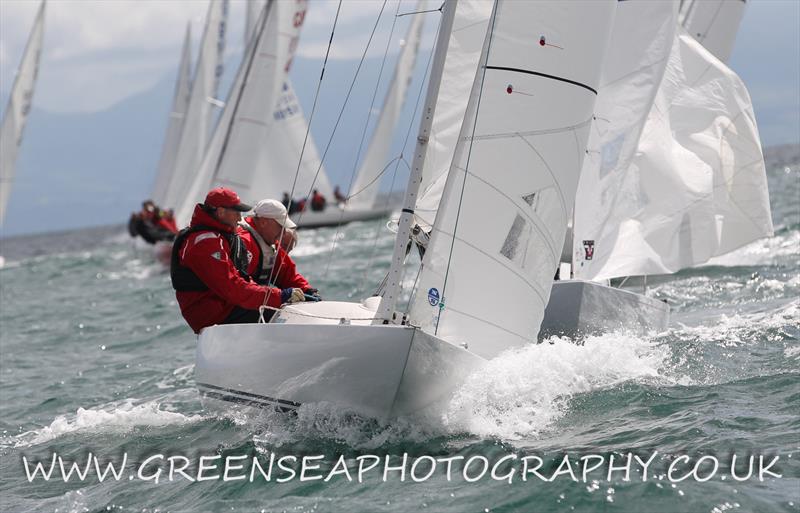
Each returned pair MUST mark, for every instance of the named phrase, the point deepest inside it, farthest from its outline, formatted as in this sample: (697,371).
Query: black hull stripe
(247,402)
(249,394)
(544,75)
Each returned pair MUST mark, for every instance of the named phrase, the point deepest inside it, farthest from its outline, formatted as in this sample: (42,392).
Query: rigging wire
(276,268)
(363,137)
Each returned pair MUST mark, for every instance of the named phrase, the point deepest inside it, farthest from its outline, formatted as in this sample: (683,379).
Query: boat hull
(335,216)
(578,308)
(377,371)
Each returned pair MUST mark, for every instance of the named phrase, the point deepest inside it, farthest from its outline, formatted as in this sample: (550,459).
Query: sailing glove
(292,296)
(312,294)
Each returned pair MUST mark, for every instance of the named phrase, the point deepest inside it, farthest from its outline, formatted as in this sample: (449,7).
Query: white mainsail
(237,150)
(698,185)
(641,42)
(714,23)
(177,115)
(365,186)
(252,10)
(200,112)
(495,243)
(284,145)
(18,108)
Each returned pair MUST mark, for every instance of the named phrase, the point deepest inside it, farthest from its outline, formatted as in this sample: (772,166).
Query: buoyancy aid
(184,279)
(266,259)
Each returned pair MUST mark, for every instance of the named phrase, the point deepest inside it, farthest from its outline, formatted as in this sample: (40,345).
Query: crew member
(209,268)
(337,194)
(318,201)
(262,234)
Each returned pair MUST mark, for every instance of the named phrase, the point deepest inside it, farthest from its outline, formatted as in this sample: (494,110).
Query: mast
(386,309)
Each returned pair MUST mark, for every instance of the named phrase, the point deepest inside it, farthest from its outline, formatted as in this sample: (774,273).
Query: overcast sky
(98,52)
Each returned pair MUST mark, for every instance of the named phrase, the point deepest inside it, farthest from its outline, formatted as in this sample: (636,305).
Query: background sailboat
(200,110)
(18,108)
(177,118)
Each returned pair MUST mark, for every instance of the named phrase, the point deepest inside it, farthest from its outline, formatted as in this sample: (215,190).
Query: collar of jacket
(202,218)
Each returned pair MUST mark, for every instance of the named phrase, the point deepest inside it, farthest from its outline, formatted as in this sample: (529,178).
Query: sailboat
(276,165)
(664,191)
(237,147)
(197,123)
(17,110)
(512,169)
(177,116)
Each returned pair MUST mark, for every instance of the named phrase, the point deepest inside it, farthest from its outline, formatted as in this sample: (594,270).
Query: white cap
(273,209)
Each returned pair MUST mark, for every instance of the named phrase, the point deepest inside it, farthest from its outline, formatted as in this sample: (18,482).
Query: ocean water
(96,360)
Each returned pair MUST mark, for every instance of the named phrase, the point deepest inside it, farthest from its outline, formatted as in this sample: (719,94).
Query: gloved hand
(314,293)
(292,296)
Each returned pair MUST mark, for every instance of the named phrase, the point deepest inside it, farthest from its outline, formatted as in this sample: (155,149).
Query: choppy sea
(96,365)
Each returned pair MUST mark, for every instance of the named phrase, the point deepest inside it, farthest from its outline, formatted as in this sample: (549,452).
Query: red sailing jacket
(285,273)
(207,254)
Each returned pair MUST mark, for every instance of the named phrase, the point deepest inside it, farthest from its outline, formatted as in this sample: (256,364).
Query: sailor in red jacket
(209,268)
(261,234)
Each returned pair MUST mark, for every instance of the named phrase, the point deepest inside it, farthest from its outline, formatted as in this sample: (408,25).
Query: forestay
(177,115)
(18,108)
(698,186)
(714,23)
(488,269)
(237,150)
(367,182)
(199,114)
(641,42)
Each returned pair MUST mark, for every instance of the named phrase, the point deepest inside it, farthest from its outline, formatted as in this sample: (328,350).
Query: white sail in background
(498,233)
(365,186)
(237,150)
(700,187)
(464,50)
(200,112)
(252,10)
(641,42)
(714,23)
(18,108)
(180,104)
(284,145)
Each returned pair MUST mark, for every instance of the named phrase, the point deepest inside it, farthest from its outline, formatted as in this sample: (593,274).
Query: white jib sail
(700,187)
(365,186)
(498,233)
(18,108)
(714,23)
(177,115)
(200,112)
(284,145)
(637,56)
(237,148)
(252,9)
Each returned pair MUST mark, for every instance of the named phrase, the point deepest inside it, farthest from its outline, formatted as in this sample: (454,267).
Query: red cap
(222,197)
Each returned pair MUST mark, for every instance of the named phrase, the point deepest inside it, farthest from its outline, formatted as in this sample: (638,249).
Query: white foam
(523,391)
(111,418)
(761,252)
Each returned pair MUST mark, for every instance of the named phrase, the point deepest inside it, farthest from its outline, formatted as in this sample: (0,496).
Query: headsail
(497,237)
(698,186)
(252,10)
(18,108)
(714,23)
(641,42)
(180,104)
(365,186)
(237,151)
(200,112)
